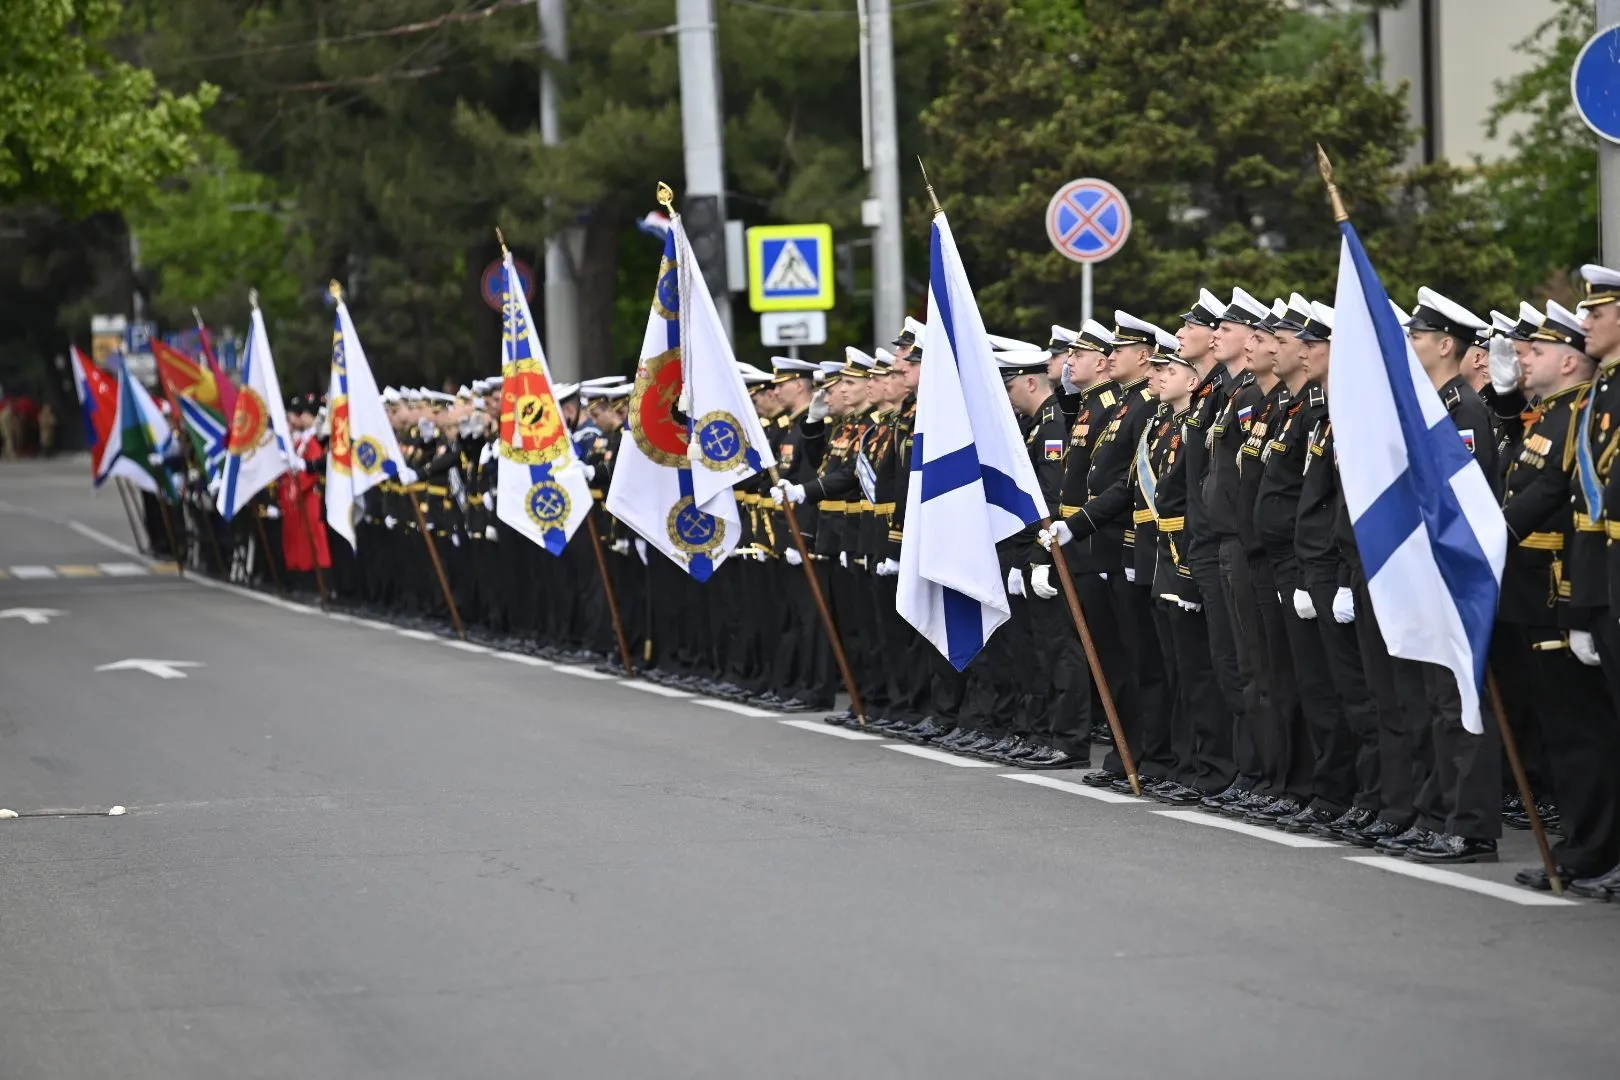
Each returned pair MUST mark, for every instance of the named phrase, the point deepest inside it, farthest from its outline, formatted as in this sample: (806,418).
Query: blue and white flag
(363,452)
(1431,535)
(971,481)
(208,433)
(673,493)
(260,446)
(542,491)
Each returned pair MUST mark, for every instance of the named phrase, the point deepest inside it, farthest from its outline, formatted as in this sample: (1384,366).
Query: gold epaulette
(1543,541)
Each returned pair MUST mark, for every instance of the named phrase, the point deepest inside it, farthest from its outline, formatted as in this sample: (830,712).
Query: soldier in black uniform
(1060,732)
(1459,804)
(1542,682)
(1105,517)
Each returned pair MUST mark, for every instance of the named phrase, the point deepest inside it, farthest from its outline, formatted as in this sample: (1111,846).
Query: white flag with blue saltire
(1431,535)
(972,484)
(727,442)
(541,489)
(208,434)
(653,488)
(260,445)
(363,450)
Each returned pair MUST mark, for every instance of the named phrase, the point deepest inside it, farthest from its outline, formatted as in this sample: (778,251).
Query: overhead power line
(403,30)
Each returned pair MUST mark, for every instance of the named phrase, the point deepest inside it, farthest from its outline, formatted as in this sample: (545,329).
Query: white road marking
(940,756)
(32,573)
(653,688)
(102,538)
(415,635)
(523,658)
(732,706)
(1513,894)
(581,672)
(468,646)
(1198,817)
(1100,794)
(122,569)
(828,729)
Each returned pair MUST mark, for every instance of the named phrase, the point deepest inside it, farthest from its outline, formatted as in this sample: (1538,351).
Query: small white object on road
(8,813)
(118,811)
(33,616)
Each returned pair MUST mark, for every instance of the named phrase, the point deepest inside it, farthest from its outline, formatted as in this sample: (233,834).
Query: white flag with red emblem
(260,442)
(364,451)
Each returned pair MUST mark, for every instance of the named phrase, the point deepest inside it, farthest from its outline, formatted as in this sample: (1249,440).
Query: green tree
(1206,116)
(81,130)
(1545,194)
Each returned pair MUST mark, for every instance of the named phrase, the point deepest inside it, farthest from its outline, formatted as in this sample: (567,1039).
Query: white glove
(390,521)
(1015,582)
(192,476)
(491,534)
(641,550)
(1130,574)
(1584,648)
(887,568)
(1103,576)
(590,472)
(786,492)
(843,560)
(272,511)
(455,539)
(621,547)
(1344,606)
(1040,580)
(1302,604)
(1188,605)
(1067,380)
(1504,366)
(1059,531)
(793,557)
(818,407)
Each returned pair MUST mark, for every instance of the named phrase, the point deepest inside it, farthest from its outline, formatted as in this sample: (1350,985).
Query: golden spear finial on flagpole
(253,298)
(938,209)
(666,197)
(501,239)
(1326,166)
(335,289)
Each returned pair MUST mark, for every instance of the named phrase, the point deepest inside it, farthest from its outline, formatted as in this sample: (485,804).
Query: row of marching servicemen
(1193,484)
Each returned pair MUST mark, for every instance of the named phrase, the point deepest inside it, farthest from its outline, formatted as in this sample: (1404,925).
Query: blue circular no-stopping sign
(1594,82)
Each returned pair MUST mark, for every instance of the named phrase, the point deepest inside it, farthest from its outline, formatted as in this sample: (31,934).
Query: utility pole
(562,289)
(1608,14)
(888,249)
(703,203)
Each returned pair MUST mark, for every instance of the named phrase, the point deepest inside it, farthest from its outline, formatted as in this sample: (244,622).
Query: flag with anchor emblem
(541,488)
(692,433)
(363,452)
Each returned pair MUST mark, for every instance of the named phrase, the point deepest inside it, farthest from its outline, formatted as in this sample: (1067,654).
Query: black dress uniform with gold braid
(1160,739)
(1096,405)
(1062,729)
(803,674)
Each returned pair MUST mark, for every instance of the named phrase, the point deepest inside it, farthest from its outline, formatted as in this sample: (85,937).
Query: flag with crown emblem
(541,488)
(259,445)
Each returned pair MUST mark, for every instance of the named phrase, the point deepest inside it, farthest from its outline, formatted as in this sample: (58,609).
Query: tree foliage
(1207,117)
(81,130)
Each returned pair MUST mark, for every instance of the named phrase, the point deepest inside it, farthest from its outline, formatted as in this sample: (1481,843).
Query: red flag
(98,403)
(184,377)
(227,389)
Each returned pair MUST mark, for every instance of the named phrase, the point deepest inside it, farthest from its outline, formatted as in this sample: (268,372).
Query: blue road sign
(1088,220)
(1595,83)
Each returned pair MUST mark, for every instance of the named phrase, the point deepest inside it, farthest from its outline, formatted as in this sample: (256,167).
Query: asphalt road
(351,852)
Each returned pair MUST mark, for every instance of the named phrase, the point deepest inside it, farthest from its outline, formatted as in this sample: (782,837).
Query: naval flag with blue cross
(541,488)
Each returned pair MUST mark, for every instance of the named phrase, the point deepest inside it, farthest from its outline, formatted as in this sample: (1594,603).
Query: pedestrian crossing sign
(790,268)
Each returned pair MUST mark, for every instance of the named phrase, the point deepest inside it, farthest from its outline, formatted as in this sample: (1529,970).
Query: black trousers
(1147,722)
(1345,768)
(1065,723)
(1581,739)
(1203,731)
(1320,710)
(1285,772)
(1249,642)
(1232,674)
(1463,794)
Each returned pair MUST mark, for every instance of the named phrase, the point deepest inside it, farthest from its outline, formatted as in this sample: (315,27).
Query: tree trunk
(598,291)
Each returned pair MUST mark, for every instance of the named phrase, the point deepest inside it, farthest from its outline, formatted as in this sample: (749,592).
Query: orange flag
(184,377)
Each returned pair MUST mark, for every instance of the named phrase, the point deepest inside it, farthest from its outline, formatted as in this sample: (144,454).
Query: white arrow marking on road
(163,669)
(33,616)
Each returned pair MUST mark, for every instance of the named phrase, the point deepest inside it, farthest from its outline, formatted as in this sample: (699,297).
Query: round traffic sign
(1088,220)
(491,286)
(1594,82)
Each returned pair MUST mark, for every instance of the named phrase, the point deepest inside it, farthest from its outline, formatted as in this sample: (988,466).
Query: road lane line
(468,646)
(523,658)
(941,756)
(78,570)
(821,728)
(32,573)
(122,569)
(653,688)
(1513,894)
(1260,832)
(415,635)
(732,706)
(1100,794)
(581,672)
